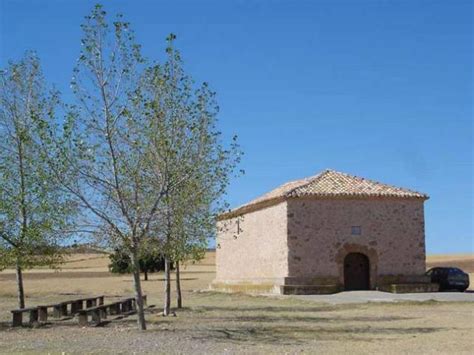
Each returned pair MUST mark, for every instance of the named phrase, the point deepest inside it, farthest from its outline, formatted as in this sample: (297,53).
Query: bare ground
(218,323)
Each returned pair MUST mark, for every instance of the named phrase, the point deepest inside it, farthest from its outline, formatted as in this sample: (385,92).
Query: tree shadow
(162,279)
(5,325)
(291,335)
(273,309)
(307,319)
(198,272)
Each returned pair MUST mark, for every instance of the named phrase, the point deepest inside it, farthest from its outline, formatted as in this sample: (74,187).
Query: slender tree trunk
(178,287)
(138,291)
(19,282)
(167,306)
(145,276)
(24,223)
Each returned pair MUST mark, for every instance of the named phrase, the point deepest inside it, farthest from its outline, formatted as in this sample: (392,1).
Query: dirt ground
(233,323)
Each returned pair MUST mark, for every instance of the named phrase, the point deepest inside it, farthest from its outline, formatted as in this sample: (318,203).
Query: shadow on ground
(292,335)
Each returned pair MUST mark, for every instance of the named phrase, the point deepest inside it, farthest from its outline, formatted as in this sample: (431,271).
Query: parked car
(449,278)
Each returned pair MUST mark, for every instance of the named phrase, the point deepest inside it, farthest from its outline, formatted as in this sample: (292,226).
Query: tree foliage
(138,152)
(150,260)
(34,214)
(188,148)
(104,153)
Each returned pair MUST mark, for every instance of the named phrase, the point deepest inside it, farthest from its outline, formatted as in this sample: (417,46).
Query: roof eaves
(250,208)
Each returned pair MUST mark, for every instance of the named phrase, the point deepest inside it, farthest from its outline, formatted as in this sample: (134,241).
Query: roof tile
(329,183)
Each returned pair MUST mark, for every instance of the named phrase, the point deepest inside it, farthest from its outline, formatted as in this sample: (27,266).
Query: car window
(455,271)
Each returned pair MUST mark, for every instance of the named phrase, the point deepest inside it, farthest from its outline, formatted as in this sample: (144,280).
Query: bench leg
(82,318)
(103,313)
(113,309)
(17,319)
(33,316)
(75,306)
(63,310)
(43,314)
(96,316)
(101,300)
(57,311)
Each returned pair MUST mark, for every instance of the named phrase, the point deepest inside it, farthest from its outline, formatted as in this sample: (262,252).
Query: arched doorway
(356,272)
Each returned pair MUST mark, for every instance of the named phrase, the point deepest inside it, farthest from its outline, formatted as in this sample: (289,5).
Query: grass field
(218,323)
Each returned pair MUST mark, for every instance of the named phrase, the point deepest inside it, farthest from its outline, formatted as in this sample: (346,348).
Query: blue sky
(379,89)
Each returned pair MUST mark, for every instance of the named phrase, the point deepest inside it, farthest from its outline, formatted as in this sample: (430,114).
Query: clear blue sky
(379,89)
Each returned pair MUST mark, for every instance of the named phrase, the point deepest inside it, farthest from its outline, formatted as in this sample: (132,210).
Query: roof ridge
(328,183)
(310,181)
(377,182)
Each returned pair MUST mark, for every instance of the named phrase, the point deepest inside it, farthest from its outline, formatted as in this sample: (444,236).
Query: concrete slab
(377,296)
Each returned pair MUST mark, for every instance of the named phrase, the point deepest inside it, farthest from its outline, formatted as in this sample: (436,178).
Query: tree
(113,154)
(34,214)
(105,153)
(189,149)
(193,222)
(150,260)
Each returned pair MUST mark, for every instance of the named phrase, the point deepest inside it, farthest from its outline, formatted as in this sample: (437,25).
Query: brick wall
(392,236)
(258,252)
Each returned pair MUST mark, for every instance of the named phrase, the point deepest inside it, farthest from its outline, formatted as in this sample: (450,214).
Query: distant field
(462,261)
(78,273)
(219,323)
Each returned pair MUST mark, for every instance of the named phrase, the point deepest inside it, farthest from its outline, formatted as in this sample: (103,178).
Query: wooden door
(356,272)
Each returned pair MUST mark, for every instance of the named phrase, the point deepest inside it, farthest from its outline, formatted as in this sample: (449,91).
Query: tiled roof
(327,184)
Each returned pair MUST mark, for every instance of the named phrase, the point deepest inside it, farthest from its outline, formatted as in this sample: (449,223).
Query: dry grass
(217,323)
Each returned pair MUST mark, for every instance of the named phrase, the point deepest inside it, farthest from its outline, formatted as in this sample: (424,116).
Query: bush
(150,261)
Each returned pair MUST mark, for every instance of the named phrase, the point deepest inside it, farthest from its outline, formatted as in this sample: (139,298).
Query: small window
(356,230)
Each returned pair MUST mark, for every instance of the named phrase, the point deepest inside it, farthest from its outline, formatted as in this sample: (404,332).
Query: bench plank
(100,312)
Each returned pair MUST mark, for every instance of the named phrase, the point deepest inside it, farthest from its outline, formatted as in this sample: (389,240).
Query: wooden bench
(93,301)
(18,315)
(61,309)
(98,313)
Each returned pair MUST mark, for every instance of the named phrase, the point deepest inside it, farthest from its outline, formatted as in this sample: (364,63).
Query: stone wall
(258,253)
(319,238)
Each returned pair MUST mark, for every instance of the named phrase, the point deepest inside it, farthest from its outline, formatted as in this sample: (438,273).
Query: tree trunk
(178,286)
(145,276)
(19,282)
(138,291)
(166,308)
(24,224)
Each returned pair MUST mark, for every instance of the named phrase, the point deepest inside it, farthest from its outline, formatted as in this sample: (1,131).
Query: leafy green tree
(188,148)
(118,162)
(105,155)
(34,214)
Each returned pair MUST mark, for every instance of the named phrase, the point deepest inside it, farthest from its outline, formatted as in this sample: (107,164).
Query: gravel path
(377,296)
